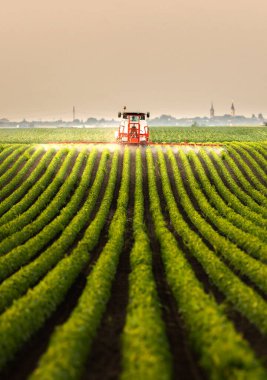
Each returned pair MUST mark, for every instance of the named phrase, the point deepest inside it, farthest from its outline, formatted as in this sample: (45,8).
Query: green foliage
(22,182)
(20,176)
(223,352)
(51,219)
(27,276)
(39,187)
(257,175)
(29,313)
(144,345)
(242,231)
(66,361)
(207,134)
(14,254)
(158,134)
(245,299)
(233,194)
(10,157)
(242,262)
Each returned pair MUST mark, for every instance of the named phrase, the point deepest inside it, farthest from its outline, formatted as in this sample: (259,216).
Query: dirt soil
(105,358)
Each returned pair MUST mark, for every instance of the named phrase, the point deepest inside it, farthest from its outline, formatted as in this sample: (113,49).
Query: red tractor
(133,128)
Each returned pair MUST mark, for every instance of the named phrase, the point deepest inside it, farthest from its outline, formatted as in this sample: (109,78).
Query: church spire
(233,109)
(212,110)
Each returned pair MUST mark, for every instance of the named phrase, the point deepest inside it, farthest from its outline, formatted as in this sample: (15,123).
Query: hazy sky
(171,56)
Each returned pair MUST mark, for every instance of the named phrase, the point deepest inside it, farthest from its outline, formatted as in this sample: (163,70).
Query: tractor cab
(133,128)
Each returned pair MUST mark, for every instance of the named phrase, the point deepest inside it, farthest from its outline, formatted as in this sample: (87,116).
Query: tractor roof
(134,113)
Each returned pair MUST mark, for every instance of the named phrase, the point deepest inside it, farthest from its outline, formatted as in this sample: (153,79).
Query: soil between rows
(105,359)
(26,360)
(184,361)
(244,172)
(27,174)
(255,339)
(5,166)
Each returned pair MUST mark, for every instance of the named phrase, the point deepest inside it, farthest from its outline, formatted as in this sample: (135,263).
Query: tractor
(133,128)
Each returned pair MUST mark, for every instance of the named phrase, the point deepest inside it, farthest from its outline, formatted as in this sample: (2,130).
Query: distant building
(212,113)
(232,109)
(4,120)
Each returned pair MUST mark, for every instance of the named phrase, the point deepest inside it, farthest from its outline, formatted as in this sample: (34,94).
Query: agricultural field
(133,262)
(158,134)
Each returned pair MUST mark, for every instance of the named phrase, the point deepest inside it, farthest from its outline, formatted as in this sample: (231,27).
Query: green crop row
(230,223)
(245,299)
(251,159)
(231,192)
(243,263)
(162,133)
(231,202)
(244,203)
(18,190)
(54,207)
(223,353)
(21,175)
(260,190)
(5,151)
(92,234)
(145,350)
(22,254)
(14,169)
(255,152)
(37,189)
(206,134)
(27,276)
(14,153)
(66,361)
(260,148)
(21,220)
(28,314)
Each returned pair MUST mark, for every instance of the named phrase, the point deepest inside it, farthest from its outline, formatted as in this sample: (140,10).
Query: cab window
(134,118)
